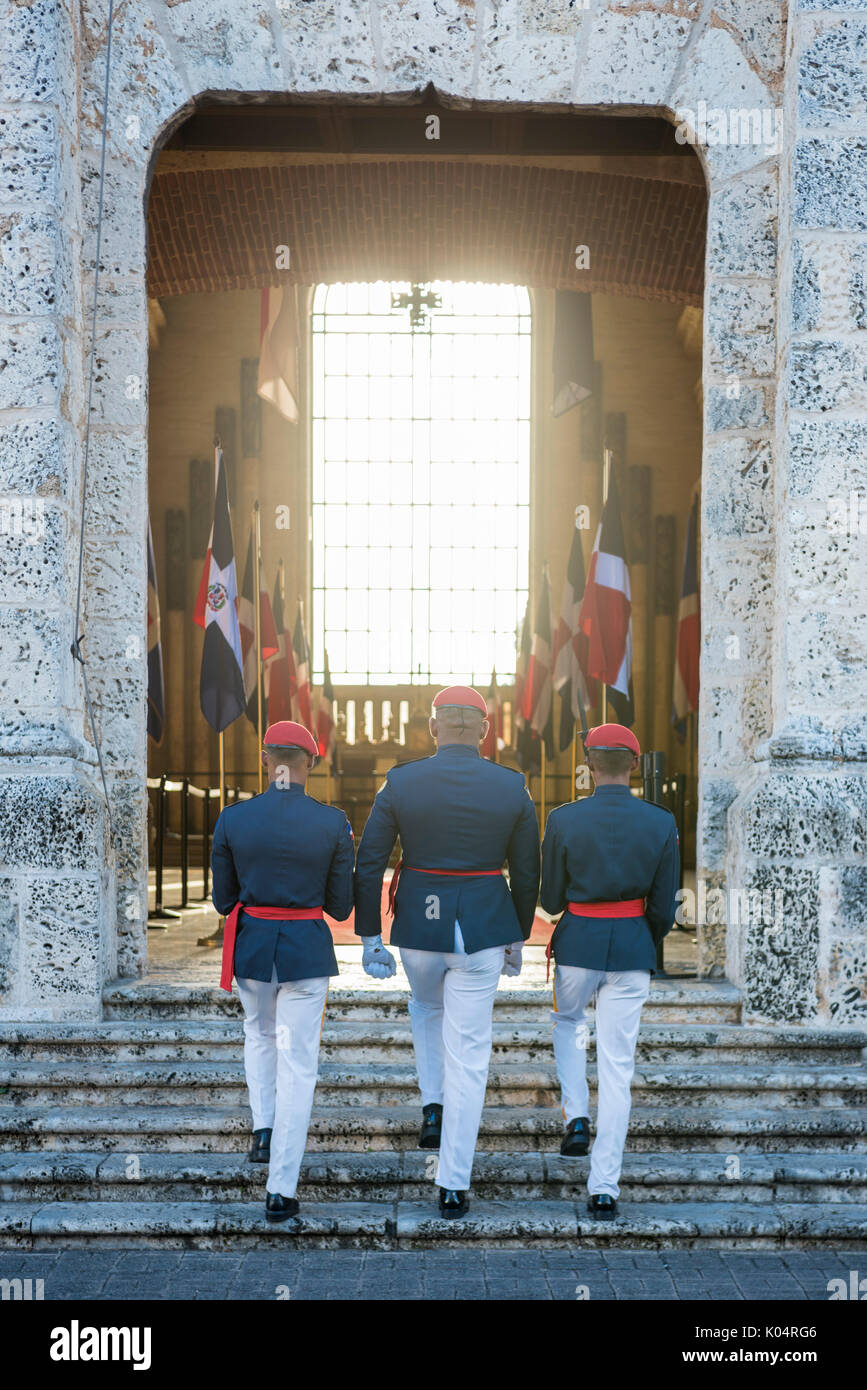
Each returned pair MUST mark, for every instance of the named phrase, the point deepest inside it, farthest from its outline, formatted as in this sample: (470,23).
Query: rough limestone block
(827,375)
(38,458)
(846,990)
(122,252)
(735,407)
(28,158)
(34,663)
(10,955)
(827,458)
(227,46)
(853,737)
(829,183)
(781,954)
(108,565)
(832,76)
(37,61)
(797,816)
(732,650)
(118,698)
(739,584)
(329,47)
(806,288)
(557,16)
(128,792)
(740,328)
(35,566)
(824,285)
(826,657)
(827,564)
(857,306)
(736,715)
(719,75)
(31,358)
(62,940)
(117,483)
(743,225)
(50,823)
(715,796)
(738,488)
(31,278)
(120,378)
(758,28)
(631,57)
(147,87)
(520,66)
(429,41)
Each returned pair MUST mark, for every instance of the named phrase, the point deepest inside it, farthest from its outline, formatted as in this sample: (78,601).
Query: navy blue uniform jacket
(455,810)
(610,847)
(283,849)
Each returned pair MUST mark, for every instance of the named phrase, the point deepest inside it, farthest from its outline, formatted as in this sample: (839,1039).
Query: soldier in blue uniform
(279,861)
(458,923)
(612,861)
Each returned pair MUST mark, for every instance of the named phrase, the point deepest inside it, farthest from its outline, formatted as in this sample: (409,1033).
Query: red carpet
(344,932)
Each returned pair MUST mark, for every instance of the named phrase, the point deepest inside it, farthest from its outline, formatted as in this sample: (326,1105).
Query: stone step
(417,1225)
(389,1176)
(695,1001)
(509,1083)
(390,1040)
(147,1128)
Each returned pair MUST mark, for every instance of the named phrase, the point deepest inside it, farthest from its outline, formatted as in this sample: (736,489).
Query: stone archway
(753,707)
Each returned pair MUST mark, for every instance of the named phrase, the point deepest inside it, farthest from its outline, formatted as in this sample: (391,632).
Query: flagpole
(328,782)
(222,770)
(543,784)
(574,763)
(606,475)
(257,589)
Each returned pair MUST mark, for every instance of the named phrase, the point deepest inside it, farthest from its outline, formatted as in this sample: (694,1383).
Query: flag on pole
(537,704)
(278,351)
(493,740)
(247,623)
(281,685)
(686,660)
(605,617)
(569,642)
(301,653)
(325,714)
(526,743)
(221,685)
(156,684)
(573,350)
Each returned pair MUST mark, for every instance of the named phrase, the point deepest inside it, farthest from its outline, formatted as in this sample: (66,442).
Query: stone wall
(782,778)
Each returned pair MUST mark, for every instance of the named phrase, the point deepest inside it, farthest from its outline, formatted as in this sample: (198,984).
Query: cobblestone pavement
(798,1275)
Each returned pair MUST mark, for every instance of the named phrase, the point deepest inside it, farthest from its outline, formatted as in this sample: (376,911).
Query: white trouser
(451,1011)
(282,1026)
(619,997)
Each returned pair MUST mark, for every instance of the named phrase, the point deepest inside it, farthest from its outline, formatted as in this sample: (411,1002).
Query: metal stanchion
(161,914)
(185,842)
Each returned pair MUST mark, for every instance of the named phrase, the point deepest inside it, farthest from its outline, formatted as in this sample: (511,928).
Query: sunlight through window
(421,481)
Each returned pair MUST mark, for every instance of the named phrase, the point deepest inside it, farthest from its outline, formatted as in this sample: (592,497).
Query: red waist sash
(449,873)
(629,907)
(271,914)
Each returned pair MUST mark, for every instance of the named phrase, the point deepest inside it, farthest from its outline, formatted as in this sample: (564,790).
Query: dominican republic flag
(605,617)
(537,703)
(221,686)
(573,350)
(688,626)
(325,714)
(281,685)
(569,643)
(247,623)
(526,743)
(493,740)
(156,685)
(278,351)
(301,652)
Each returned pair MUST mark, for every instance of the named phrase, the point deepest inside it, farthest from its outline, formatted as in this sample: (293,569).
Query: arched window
(421,480)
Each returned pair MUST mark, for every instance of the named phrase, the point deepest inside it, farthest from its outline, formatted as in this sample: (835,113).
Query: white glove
(377,961)
(512,963)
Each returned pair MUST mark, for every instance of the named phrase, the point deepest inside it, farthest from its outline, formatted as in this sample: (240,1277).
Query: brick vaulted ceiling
(495,203)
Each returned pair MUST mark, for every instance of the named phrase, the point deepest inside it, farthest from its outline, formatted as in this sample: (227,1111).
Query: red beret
(288,734)
(461,695)
(612,736)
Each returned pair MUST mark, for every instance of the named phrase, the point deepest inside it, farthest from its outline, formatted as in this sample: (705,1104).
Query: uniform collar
(287,787)
(460,748)
(611,787)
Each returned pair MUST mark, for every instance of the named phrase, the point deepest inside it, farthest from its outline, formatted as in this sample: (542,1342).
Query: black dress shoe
(260,1146)
(431,1127)
(603,1206)
(279,1208)
(453,1203)
(576,1140)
